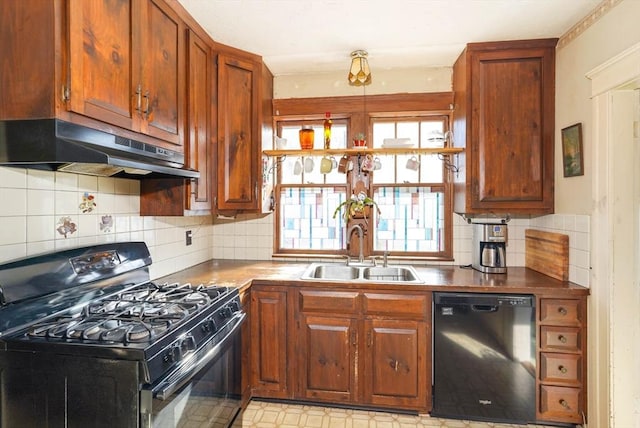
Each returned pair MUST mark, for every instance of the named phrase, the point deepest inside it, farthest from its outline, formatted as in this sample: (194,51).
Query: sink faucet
(361,241)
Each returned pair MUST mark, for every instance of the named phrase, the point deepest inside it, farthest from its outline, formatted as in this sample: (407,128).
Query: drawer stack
(561,360)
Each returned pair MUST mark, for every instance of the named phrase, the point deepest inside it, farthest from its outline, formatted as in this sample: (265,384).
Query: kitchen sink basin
(390,273)
(333,271)
(349,273)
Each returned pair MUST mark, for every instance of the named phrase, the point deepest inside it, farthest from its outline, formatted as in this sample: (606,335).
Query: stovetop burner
(136,315)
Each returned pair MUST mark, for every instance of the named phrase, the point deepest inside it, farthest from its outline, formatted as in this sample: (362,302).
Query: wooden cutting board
(547,253)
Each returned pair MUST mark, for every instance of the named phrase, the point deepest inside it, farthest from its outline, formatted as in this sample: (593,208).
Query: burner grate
(136,315)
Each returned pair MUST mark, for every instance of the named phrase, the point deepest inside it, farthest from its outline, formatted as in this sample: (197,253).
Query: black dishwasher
(484,357)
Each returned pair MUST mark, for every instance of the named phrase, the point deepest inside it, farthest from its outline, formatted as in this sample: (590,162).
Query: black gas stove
(96,308)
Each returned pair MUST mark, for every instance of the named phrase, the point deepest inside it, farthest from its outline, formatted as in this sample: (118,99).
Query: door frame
(614,321)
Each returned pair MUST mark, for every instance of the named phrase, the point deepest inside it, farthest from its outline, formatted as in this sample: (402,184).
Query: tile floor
(260,414)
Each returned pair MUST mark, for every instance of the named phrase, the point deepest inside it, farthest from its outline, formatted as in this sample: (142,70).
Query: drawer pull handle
(562,310)
(562,338)
(564,403)
(562,369)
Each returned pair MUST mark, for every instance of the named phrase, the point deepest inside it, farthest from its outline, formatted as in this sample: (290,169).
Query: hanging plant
(356,207)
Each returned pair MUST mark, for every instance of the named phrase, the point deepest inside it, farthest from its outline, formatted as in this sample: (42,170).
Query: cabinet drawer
(336,302)
(565,368)
(398,305)
(561,311)
(560,338)
(561,402)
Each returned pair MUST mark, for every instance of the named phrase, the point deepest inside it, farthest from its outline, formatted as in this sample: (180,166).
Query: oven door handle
(202,357)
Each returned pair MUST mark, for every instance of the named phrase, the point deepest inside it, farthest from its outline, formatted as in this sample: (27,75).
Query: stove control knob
(174,354)
(188,344)
(234,306)
(226,312)
(209,326)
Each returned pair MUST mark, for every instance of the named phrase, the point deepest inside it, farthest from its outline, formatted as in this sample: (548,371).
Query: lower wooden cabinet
(371,348)
(395,364)
(327,358)
(561,360)
(365,349)
(268,342)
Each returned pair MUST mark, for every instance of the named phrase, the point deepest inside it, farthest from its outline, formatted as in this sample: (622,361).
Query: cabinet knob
(562,369)
(562,338)
(564,403)
(562,310)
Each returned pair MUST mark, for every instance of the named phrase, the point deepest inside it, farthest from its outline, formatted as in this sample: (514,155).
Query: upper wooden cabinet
(504,117)
(199,102)
(99,63)
(244,88)
(126,65)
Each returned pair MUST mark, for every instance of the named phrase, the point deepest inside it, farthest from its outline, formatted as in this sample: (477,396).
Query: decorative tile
(88,203)
(66,226)
(106,223)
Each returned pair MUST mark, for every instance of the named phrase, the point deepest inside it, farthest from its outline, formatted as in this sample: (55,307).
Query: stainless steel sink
(332,271)
(390,273)
(344,273)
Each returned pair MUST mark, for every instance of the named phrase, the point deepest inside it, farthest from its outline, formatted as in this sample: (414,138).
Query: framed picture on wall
(572,159)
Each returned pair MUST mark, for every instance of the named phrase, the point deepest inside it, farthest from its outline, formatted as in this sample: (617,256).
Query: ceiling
(302,36)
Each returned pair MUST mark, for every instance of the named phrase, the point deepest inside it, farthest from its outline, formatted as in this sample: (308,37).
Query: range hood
(56,145)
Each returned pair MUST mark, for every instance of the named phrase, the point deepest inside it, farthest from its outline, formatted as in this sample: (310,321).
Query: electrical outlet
(189,237)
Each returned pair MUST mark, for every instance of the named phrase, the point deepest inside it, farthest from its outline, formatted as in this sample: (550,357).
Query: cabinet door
(238,137)
(103,66)
(327,358)
(269,343)
(199,142)
(511,128)
(163,72)
(395,363)
(504,97)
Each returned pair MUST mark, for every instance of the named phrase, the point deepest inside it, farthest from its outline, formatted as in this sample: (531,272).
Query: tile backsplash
(38,207)
(577,227)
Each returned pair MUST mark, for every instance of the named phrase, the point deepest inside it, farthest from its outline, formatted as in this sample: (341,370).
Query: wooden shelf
(364,151)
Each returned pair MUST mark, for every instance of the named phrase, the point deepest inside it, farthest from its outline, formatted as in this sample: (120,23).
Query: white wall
(600,38)
(614,322)
(408,80)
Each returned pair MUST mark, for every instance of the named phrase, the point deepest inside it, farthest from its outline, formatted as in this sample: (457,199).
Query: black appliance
(56,145)
(86,339)
(484,357)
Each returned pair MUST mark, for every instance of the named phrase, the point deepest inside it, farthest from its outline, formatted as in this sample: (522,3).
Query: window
(412,191)
(307,198)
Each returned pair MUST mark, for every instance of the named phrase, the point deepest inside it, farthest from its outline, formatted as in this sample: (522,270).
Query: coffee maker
(489,247)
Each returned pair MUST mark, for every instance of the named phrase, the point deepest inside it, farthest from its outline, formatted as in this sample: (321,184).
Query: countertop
(242,273)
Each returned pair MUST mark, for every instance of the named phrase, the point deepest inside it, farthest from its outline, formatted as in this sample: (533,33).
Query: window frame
(398,107)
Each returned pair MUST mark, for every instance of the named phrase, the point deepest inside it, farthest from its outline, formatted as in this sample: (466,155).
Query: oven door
(205,393)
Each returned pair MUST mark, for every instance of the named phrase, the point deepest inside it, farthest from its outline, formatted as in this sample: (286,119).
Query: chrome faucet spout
(360,240)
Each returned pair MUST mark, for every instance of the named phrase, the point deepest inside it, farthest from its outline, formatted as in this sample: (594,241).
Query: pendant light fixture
(359,73)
